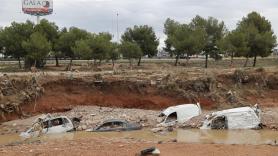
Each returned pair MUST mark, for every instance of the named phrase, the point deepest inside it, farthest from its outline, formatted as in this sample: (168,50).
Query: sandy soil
(122,148)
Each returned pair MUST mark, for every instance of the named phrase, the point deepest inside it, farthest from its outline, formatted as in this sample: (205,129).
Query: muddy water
(252,137)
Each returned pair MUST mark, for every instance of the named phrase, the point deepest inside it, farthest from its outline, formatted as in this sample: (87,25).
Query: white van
(179,114)
(237,118)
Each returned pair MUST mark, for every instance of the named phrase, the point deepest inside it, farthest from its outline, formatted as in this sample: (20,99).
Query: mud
(127,146)
(235,137)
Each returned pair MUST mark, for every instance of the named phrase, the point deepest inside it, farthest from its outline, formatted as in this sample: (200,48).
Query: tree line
(253,37)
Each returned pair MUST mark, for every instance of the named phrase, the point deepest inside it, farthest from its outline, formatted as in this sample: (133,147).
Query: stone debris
(94,115)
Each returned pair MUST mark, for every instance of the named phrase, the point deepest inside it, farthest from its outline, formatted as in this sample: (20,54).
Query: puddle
(252,137)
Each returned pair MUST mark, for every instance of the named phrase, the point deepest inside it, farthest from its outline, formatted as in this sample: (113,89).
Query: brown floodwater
(251,137)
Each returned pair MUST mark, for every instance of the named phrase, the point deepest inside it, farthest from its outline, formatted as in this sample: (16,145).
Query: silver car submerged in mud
(237,118)
(51,125)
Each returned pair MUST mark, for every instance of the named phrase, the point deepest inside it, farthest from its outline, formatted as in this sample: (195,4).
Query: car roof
(115,120)
(182,107)
(234,110)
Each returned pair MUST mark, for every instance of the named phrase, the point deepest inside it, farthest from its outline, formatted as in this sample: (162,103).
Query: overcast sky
(100,15)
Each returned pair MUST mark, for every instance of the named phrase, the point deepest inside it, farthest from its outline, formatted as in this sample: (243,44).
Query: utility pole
(38,19)
(117,27)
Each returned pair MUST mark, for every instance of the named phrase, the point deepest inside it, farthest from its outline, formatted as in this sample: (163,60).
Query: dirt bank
(110,147)
(63,94)
(144,89)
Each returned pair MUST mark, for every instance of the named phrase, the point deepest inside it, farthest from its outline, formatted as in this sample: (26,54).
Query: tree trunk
(206,65)
(35,64)
(246,62)
(130,63)
(139,62)
(113,63)
(187,59)
(177,60)
(57,61)
(70,64)
(232,59)
(255,60)
(19,63)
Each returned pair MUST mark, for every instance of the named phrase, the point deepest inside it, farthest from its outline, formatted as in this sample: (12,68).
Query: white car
(237,118)
(51,125)
(179,114)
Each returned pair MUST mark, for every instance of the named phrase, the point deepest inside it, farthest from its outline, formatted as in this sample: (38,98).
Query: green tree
(82,49)
(214,29)
(12,38)
(51,31)
(56,52)
(145,37)
(170,26)
(233,44)
(130,51)
(114,53)
(37,47)
(259,35)
(68,39)
(183,39)
(100,45)
(1,41)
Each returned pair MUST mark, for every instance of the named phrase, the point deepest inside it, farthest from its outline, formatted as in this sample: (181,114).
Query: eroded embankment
(63,95)
(23,97)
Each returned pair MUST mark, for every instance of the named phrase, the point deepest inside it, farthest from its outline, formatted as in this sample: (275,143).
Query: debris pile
(14,93)
(93,116)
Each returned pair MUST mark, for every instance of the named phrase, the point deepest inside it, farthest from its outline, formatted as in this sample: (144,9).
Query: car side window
(118,125)
(56,122)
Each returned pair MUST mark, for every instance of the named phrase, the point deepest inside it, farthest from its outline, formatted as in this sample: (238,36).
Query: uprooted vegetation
(144,90)
(16,93)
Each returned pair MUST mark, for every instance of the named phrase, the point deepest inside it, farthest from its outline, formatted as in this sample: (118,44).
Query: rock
(174,140)
(219,85)
(153,82)
(159,120)
(79,128)
(156,130)
(150,151)
(273,127)
(83,127)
